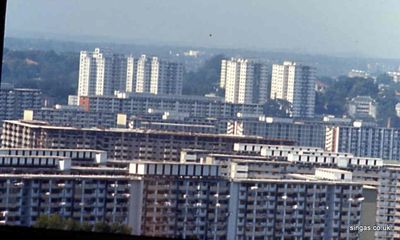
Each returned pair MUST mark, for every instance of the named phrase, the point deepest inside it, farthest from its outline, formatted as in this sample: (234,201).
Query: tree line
(56,222)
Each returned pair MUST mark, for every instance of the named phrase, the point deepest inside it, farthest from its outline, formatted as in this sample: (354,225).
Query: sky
(368,28)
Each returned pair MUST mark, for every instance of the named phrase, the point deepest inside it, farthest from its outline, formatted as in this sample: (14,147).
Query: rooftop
(69,176)
(297,178)
(45,125)
(52,149)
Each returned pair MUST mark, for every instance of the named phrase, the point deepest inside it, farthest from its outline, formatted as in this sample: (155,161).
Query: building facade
(362,107)
(294,83)
(101,73)
(36,182)
(13,102)
(207,202)
(124,144)
(194,106)
(74,116)
(244,81)
(303,133)
(364,141)
(257,191)
(153,75)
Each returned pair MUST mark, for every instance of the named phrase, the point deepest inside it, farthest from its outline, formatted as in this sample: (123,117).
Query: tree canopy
(57,222)
(56,74)
(205,79)
(334,99)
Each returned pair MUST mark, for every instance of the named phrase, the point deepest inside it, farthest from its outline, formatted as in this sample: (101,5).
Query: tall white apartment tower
(155,76)
(131,72)
(143,75)
(101,73)
(244,81)
(294,83)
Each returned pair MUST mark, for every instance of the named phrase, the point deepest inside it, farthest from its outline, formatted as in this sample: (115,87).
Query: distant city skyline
(353,28)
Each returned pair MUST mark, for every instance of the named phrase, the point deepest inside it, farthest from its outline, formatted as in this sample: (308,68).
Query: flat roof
(300,180)
(69,176)
(178,124)
(333,170)
(34,156)
(34,124)
(110,169)
(165,97)
(21,89)
(53,149)
(175,163)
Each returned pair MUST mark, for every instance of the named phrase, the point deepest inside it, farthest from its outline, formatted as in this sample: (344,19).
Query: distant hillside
(56,74)
(326,65)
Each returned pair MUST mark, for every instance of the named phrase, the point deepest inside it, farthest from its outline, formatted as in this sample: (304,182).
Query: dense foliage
(334,99)
(277,108)
(56,222)
(205,79)
(56,74)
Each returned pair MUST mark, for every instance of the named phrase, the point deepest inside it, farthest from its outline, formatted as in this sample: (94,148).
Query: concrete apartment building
(175,122)
(76,116)
(359,138)
(124,144)
(217,207)
(294,83)
(356,137)
(71,183)
(366,141)
(73,116)
(354,73)
(194,106)
(338,135)
(13,102)
(380,175)
(214,199)
(101,73)
(303,132)
(362,107)
(245,81)
(152,75)
(252,190)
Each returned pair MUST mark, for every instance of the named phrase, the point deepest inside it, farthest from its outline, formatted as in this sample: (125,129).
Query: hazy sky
(362,27)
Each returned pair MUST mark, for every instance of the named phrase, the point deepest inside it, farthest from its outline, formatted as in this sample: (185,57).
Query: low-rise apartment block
(122,144)
(13,102)
(252,192)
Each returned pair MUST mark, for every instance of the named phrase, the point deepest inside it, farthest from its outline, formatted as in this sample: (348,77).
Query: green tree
(86,227)
(205,79)
(55,222)
(102,227)
(120,228)
(71,225)
(56,74)
(277,108)
(42,222)
(334,99)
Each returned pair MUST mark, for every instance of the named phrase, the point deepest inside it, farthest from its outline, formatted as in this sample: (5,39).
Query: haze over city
(356,28)
(183,119)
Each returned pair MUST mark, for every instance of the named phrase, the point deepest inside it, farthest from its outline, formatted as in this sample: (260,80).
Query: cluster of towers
(102,73)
